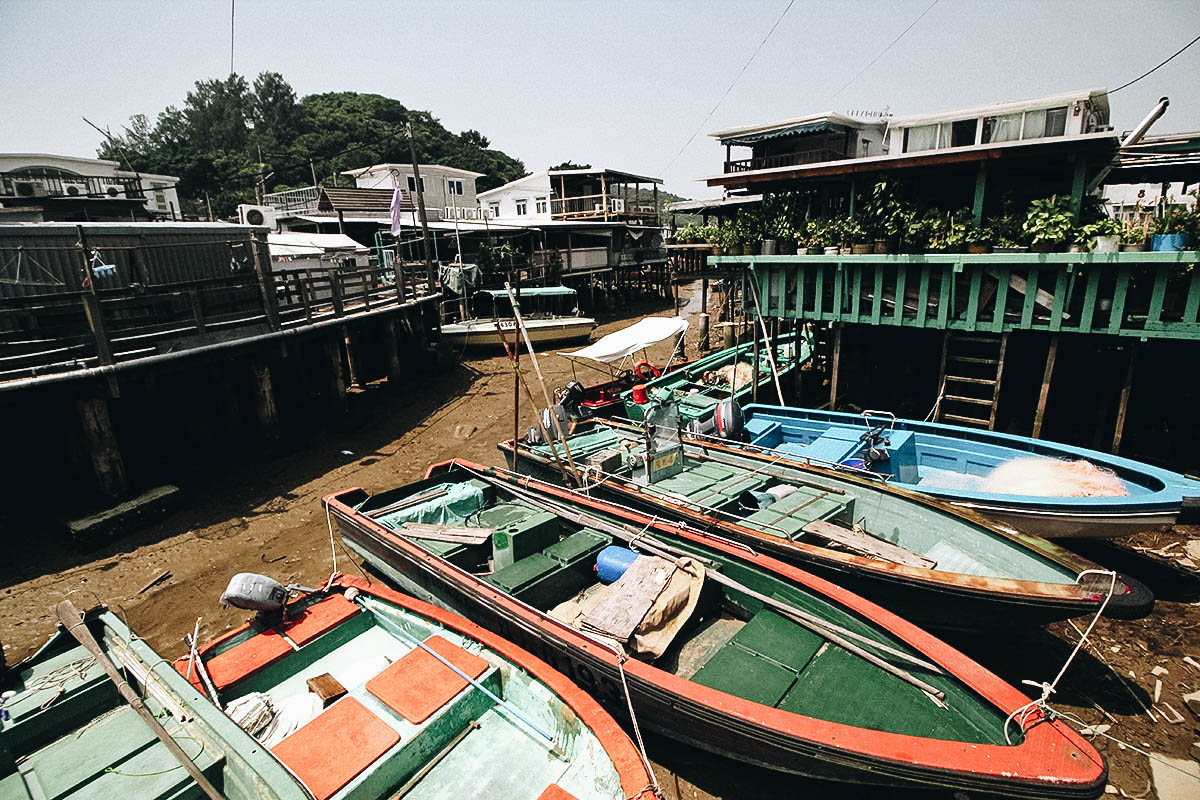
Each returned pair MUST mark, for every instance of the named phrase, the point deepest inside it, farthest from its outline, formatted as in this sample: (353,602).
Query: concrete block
(93,531)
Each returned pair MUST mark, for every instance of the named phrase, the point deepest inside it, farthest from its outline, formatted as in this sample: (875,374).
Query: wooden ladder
(972,365)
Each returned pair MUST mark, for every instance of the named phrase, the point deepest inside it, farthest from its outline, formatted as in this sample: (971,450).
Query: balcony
(30,185)
(818,156)
(602,207)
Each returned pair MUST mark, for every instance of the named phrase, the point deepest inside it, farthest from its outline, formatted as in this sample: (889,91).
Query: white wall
(433,179)
(529,191)
(162,198)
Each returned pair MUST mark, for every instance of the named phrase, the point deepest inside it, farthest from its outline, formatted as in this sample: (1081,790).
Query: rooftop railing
(784,160)
(28,184)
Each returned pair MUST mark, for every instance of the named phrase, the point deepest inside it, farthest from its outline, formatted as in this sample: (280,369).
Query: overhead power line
(882,52)
(732,83)
(1155,69)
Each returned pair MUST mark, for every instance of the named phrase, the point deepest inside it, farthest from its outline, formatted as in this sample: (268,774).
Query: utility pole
(412,149)
(313,167)
(258,186)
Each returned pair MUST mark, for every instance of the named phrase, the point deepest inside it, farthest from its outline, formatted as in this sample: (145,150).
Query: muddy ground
(262,513)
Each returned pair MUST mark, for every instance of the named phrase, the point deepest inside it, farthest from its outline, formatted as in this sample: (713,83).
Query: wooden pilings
(1123,404)
(264,400)
(103,451)
(1044,394)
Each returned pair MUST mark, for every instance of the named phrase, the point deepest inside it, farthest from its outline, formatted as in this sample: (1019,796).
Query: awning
(792,130)
(628,341)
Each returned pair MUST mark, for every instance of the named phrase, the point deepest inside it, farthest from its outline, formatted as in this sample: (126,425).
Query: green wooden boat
(701,386)
(396,721)
(931,562)
(755,660)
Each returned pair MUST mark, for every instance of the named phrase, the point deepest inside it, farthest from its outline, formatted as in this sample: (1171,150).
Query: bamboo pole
(538,371)
(766,338)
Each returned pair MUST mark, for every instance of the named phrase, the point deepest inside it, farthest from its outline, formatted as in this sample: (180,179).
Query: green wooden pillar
(852,193)
(980,190)
(1077,186)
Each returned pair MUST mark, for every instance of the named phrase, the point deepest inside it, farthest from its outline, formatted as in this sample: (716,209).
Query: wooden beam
(103,451)
(264,400)
(1078,183)
(980,191)
(1045,393)
(1123,405)
(837,360)
(91,304)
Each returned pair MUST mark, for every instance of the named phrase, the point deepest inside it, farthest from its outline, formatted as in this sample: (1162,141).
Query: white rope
(1022,713)
(637,731)
(332,547)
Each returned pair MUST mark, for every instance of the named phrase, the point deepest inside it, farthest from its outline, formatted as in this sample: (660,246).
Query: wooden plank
(625,603)
(446,533)
(1123,405)
(1088,313)
(973,299)
(839,282)
(877,295)
(1027,287)
(898,305)
(1154,317)
(923,297)
(1001,305)
(1193,298)
(1045,392)
(819,293)
(861,541)
(1116,317)
(945,295)
(999,374)
(1057,310)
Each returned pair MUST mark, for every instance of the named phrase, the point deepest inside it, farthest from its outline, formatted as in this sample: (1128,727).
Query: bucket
(1168,242)
(639,394)
(754,500)
(612,562)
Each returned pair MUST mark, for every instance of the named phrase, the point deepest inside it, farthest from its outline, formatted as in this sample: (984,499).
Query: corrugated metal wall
(45,258)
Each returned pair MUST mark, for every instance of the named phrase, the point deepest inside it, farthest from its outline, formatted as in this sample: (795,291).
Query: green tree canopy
(214,143)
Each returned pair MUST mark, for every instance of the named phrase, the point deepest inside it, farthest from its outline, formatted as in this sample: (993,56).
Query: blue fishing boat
(1051,490)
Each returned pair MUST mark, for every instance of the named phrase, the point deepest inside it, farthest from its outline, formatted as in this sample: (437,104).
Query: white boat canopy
(627,341)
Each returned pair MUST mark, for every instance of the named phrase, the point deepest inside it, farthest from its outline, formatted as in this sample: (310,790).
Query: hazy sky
(616,84)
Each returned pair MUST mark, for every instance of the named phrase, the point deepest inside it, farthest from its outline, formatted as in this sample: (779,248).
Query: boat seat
(417,684)
(86,693)
(531,534)
(556,792)
(764,432)
(258,652)
(334,748)
(562,569)
(835,445)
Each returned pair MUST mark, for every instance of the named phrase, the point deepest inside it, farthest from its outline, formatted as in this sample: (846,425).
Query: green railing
(1143,295)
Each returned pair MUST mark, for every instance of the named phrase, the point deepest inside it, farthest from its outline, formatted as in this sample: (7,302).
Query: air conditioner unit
(74,189)
(112,189)
(30,188)
(258,216)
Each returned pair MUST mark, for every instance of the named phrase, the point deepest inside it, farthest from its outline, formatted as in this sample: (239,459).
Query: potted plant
(886,216)
(979,239)
(1007,230)
(856,235)
(1175,228)
(1048,223)
(820,239)
(1133,237)
(1102,235)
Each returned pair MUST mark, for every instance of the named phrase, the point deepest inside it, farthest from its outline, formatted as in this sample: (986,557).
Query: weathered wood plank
(863,542)
(626,602)
(446,533)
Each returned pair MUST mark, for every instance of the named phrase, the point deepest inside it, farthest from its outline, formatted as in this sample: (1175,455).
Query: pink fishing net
(1047,477)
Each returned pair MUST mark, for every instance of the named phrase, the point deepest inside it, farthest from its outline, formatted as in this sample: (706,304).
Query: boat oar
(834,633)
(769,345)
(408,637)
(73,622)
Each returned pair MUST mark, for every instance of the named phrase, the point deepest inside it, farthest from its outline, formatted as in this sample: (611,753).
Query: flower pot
(786,247)
(861,249)
(814,250)
(1104,244)
(1010,250)
(978,249)
(884,246)
(716,250)
(1136,247)
(1045,246)
(1075,248)
(1171,241)
(768,247)
(833,251)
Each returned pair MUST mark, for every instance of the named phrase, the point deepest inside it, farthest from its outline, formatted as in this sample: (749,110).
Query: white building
(69,188)
(590,194)
(448,190)
(523,200)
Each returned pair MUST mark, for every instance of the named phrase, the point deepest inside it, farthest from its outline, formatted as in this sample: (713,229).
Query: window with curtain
(1035,124)
(1056,121)
(920,137)
(1002,128)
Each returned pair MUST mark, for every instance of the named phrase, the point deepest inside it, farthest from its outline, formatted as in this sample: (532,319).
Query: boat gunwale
(999,761)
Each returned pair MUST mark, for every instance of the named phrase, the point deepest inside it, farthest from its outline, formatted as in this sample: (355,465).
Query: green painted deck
(1147,295)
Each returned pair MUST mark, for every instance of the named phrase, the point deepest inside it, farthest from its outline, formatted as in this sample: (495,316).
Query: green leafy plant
(1048,220)
(979,234)
(1178,219)
(692,233)
(820,234)
(1102,227)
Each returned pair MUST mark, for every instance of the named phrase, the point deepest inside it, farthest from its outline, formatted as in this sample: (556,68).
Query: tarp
(792,130)
(533,291)
(627,341)
(291,243)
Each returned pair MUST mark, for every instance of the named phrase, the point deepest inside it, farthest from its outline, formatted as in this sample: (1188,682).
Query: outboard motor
(536,437)
(571,398)
(727,422)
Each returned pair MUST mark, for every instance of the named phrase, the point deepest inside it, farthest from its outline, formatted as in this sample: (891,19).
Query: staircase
(972,365)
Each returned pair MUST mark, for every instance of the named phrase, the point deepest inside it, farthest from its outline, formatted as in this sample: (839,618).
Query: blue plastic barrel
(612,562)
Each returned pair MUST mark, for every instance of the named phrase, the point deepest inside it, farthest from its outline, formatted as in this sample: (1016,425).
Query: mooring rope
(1041,703)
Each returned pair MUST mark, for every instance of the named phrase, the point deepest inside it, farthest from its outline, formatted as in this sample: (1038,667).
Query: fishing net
(1047,477)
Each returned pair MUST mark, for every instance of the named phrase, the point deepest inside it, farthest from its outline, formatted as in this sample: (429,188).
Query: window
(959,134)
(1002,128)
(454,187)
(1045,122)
(539,205)
(160,197)
(920,137)
(494,209)
(522,207)
(412,184)
(1056,121)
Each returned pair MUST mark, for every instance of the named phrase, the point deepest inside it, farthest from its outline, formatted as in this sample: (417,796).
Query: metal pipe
(1137,133)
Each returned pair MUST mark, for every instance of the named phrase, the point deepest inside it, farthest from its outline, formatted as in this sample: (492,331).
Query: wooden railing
(784,160)
(687,259)
(1144,295)
(68,331)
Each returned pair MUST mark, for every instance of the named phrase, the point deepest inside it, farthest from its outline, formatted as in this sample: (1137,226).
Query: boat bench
(544,579)
(762,661)
(764,432)
(89,691)
(834,446)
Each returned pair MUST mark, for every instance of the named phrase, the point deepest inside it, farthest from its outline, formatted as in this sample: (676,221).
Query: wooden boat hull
(491,333)
(933,598)
(717,722)
(939,452)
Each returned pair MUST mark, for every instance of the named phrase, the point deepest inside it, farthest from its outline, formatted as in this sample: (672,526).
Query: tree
(571,165)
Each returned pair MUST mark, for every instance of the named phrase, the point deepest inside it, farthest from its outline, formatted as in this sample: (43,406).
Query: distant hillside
(213,142)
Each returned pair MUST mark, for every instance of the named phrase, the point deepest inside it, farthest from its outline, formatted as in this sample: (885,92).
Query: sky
(622,85)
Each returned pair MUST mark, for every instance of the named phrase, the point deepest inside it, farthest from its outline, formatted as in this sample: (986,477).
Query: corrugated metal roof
(355,200)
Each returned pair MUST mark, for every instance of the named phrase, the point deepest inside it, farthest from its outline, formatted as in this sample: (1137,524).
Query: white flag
(397,201)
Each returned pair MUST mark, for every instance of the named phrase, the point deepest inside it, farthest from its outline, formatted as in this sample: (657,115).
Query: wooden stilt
(391,352)
(757,348)
(351,366)
(1045,393)
(837,360)
(264,401)
(105,454)
(336,381)
(1124,403)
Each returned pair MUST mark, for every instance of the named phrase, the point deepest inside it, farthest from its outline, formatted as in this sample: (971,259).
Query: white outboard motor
(727,422)
(266,596)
